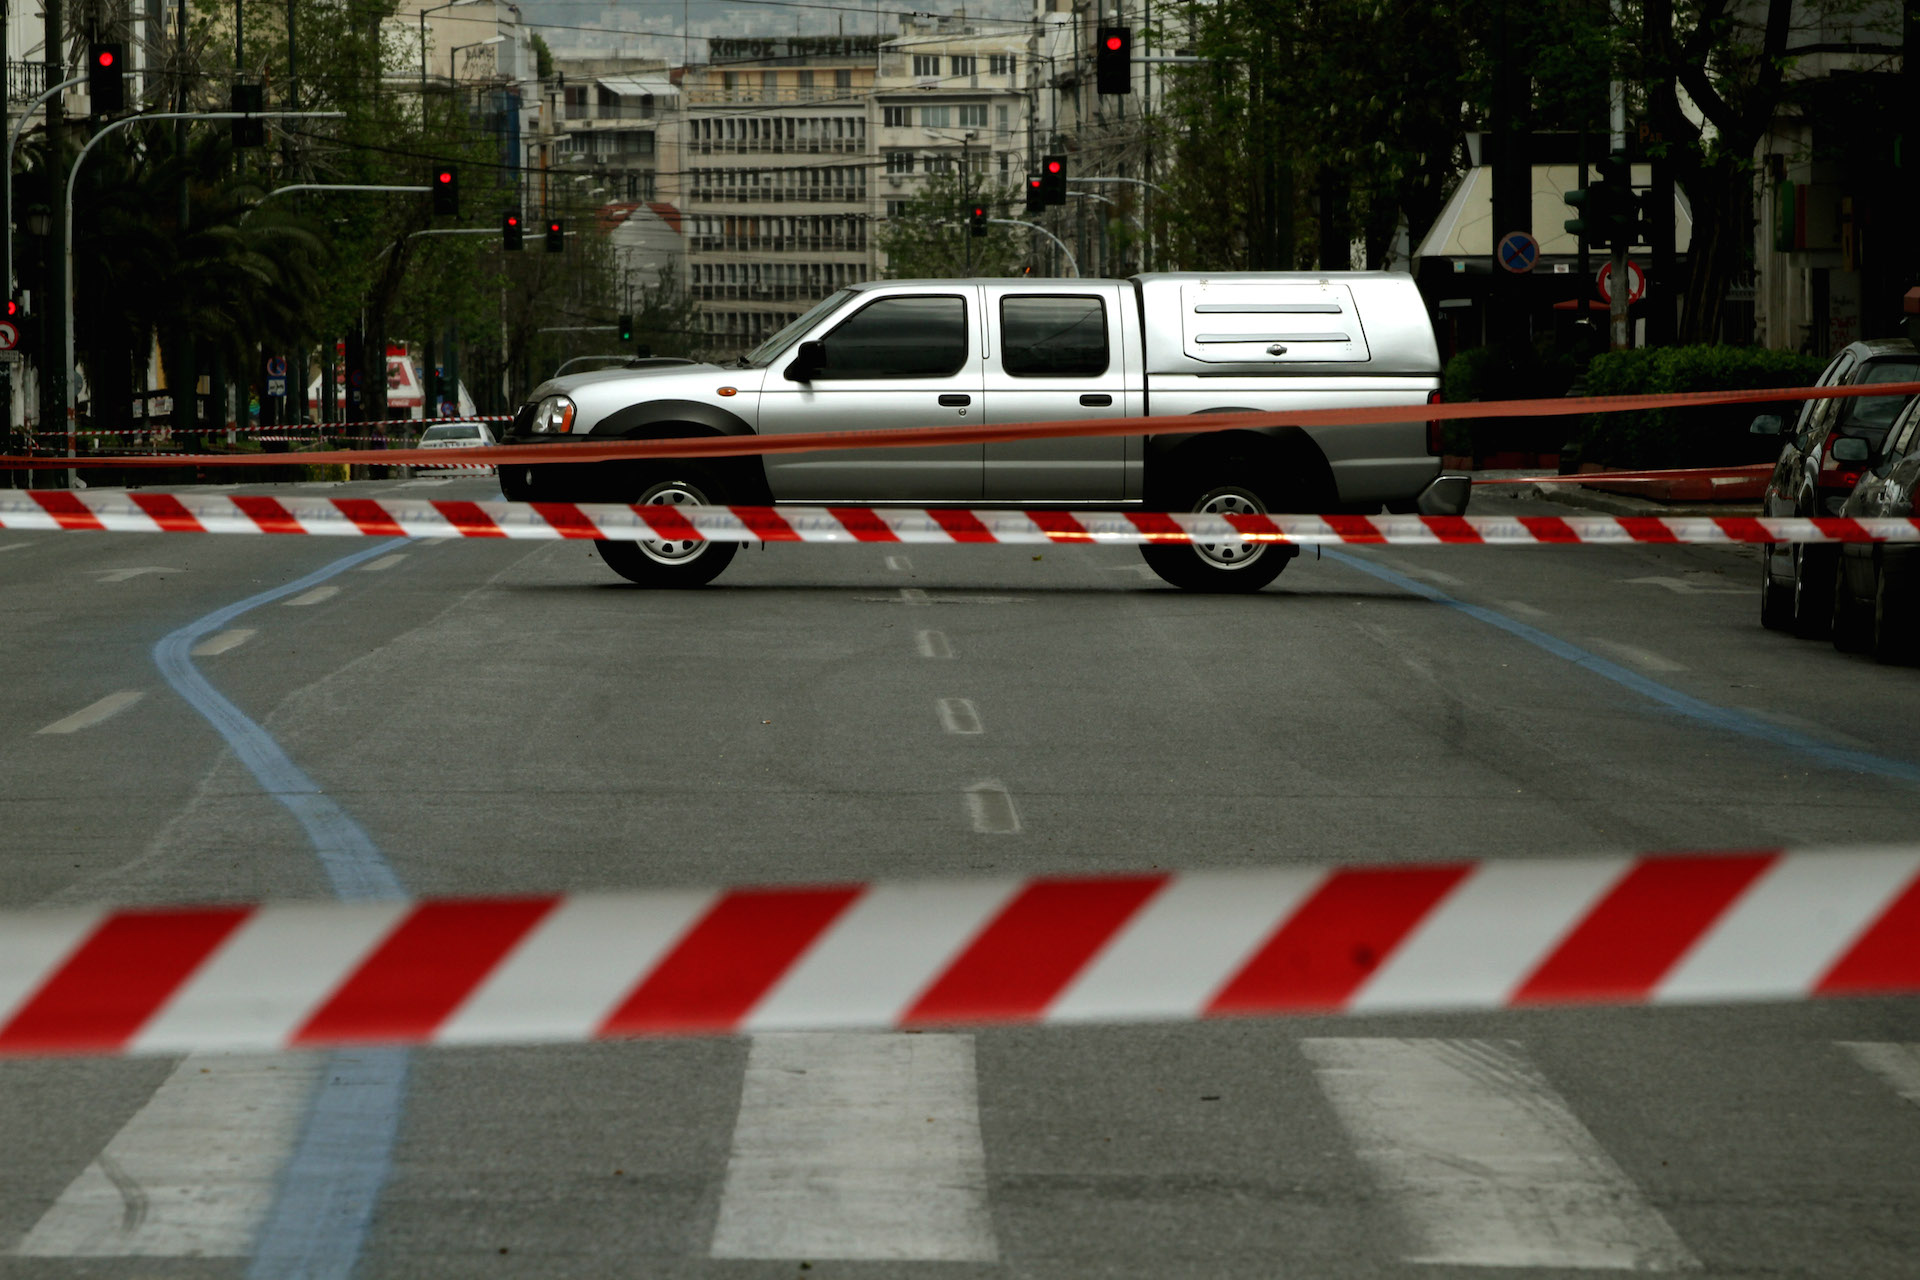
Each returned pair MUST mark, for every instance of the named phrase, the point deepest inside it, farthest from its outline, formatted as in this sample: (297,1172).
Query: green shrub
(1714,435)
(1539,372)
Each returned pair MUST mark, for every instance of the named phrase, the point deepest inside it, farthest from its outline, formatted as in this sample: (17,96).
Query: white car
(456,435)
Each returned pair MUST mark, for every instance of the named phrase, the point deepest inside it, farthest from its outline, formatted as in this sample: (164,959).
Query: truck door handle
(954,402)
(1096,402)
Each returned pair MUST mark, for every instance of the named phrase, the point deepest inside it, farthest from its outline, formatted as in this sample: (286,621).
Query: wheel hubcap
(672,493)
(1230,502)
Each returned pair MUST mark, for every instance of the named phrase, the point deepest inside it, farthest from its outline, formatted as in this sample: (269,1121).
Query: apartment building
(778,162)
(950,98)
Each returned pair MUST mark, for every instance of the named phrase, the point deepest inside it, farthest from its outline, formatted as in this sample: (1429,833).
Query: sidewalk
(1568,494)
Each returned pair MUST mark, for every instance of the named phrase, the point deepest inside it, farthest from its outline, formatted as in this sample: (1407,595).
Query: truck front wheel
(685,562)
(1218,566)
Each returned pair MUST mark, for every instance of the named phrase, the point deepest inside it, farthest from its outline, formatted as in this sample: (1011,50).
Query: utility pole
(1618,336)
(55,411)
(6,221)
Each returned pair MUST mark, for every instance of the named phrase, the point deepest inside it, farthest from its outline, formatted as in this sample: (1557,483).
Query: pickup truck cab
(928,353)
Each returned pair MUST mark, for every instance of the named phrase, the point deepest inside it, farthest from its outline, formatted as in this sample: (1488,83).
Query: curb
(1620,504)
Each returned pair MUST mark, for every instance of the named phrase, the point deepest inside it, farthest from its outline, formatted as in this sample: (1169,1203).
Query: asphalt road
(501,717)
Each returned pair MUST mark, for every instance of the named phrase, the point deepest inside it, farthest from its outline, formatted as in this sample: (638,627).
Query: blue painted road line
(1738,722)
(324,1206)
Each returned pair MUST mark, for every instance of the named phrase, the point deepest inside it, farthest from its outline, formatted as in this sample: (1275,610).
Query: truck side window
(1053,337)
(908,337)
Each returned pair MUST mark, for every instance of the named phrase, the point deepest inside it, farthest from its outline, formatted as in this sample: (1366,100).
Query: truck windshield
(769,351)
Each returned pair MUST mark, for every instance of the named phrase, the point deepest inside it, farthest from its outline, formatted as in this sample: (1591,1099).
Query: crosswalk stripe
(1897,1064)
(857,1146)
(193,1173)
(1487,1164)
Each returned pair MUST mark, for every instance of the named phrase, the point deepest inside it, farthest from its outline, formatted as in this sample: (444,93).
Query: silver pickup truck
(926,353)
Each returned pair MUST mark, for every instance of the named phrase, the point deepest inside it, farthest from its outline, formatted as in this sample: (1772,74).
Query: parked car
(456,435)
(930,353)
(1876,592)
(1797,580)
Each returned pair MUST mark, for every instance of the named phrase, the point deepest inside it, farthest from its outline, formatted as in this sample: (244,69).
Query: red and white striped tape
(147,512)
(1161,946)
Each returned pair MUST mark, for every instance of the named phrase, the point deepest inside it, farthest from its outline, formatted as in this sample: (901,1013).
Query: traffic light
(1113,60)
(511,238)
(1587,202)
(248,133)
(16,310)
(977,220)
(556,235)
(626,328)
(1053,179)
(446,190)
(1036,198)
(106,81)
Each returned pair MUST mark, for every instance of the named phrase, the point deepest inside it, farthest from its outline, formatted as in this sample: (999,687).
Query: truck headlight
(554,416)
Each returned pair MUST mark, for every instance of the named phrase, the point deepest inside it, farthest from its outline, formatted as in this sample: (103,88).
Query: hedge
(1716,435)
(1506,373)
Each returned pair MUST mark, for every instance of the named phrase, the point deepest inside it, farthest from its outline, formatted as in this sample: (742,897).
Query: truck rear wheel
(1219,566)
(685,562)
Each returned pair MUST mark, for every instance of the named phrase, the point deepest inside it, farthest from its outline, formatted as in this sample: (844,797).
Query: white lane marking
(1897,1064)
(87,717)
(225,640)
(194,1172)
(933,644)
(958,715)
(857,1146)
(1488,1165)
(1434,576)
(990,806)
(899,564)
(1634,655)
(123,575)
(384,562)
(314,596)
(1524,609)
(913,595)
(15,546)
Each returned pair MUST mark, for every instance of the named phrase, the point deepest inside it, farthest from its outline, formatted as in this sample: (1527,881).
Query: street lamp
(451,4)
(452,54)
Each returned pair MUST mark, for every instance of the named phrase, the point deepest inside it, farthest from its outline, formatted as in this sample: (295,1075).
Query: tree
(929,237)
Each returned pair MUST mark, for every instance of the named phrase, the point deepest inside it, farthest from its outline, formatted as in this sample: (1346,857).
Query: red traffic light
(1053,166)
(979,212)
(13,307)
(445,178)
(553,228)
(104,57)
(1114,43)
(512,221)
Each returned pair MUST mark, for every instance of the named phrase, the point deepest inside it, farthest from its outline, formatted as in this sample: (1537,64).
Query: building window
(1003,166)
(576,102)
(806,79)
(1000,64)
(894,117)
(974,116)
(1000,120)
(897,208)
(843,79)
(729,80)
(965,64)
(936,117)
(770,84)
(899,162)
(926,64)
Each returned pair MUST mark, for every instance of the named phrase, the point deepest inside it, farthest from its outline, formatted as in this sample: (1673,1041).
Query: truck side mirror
(808,359)
(1767,424)
(1852,449)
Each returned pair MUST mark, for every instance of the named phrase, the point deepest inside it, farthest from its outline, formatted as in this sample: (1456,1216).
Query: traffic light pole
(1034,226)
(6,188)
(66,217)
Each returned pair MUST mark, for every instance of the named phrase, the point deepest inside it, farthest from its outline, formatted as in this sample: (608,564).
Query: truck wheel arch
(745,477)
(1289,452)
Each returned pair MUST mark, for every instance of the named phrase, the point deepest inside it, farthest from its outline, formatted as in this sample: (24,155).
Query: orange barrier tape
(933,437)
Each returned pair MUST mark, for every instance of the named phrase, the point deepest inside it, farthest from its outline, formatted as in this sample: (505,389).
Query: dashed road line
(222,642)
(87,717)
(15,546)
(1645,659)
(990,806)
(1897,1064)
(1524,609)
(315,596)
(127,575)
(1486,1162)
(384,562)
(899,564)
(853,1145)
(958,715)
(192,1174)
(913,595)
(933,644)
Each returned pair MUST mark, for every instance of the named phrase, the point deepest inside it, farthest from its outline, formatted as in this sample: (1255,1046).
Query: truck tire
(1225,485)
(656,563)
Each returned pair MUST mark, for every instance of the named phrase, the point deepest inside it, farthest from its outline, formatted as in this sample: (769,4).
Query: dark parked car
(1796,581)
(1876,593)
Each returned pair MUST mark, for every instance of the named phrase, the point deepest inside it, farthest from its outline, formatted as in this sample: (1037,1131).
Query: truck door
(1057,355)
(899,360)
